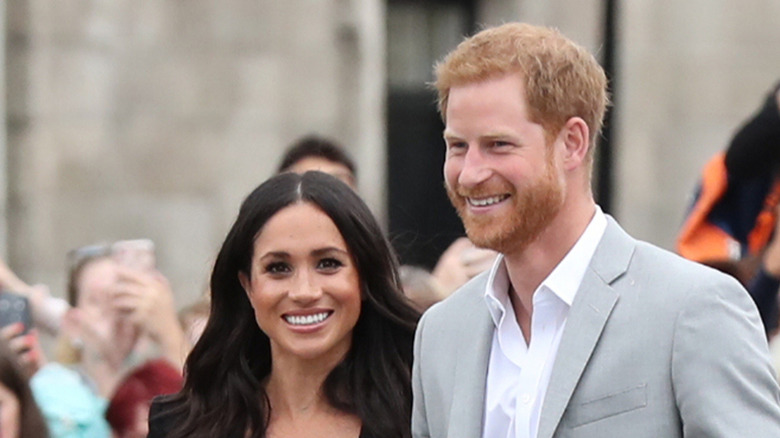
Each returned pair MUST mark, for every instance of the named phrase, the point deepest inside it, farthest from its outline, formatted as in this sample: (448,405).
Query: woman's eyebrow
(328,250)
(275,254)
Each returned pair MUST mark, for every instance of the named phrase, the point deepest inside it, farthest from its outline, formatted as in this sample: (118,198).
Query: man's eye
(277,268)
(329,264)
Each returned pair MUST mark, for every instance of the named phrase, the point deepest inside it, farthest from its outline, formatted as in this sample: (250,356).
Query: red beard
(532,212)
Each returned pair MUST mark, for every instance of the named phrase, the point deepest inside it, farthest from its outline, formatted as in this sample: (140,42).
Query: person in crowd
(121,315)
(122,311)
(578,330)
(732,223)
(421,287)
(25,346)
(69,407)
(461,262)
(19,413)
(128,410)
(47,310)
(313,152)
(309,333)
(193,318)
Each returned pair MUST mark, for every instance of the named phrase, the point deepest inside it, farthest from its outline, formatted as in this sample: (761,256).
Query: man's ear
(245,283)
(576,140)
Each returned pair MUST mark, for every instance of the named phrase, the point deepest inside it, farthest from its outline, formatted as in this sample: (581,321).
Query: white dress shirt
(518,373)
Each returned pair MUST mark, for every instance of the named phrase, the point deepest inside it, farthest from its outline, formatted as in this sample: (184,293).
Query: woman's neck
(299,407)
(295,388)
(295,383)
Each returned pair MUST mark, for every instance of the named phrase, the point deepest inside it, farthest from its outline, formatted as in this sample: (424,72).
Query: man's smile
(486,201)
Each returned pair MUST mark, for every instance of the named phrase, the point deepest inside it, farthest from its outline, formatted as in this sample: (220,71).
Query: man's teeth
(485,201)
(307,319)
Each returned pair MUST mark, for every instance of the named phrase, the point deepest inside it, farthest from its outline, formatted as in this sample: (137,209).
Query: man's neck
(530,266)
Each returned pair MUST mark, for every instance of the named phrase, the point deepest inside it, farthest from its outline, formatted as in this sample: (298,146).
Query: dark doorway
(421,220)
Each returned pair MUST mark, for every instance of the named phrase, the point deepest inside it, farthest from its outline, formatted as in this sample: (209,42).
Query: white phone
(135,253)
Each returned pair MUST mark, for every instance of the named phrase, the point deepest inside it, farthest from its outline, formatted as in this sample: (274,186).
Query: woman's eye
(329,264)
(277,268)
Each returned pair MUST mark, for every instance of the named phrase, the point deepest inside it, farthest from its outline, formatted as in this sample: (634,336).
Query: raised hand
(146,300)
(460,262)
(26,347)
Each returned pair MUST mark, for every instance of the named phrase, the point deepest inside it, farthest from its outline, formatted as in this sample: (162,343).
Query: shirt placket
(542,336)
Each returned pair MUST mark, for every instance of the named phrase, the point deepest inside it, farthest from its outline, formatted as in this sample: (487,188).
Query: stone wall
(154,119)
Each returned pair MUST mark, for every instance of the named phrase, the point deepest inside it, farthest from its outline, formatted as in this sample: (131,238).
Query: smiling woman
(304,287)
(309,333)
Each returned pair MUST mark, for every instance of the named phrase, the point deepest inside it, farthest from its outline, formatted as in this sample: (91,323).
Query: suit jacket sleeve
(419,416)
(723,385)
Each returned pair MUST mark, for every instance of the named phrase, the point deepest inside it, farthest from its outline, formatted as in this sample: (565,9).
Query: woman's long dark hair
(31,422)
(223,394)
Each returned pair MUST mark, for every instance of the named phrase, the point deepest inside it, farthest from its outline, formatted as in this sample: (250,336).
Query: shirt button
(526,398)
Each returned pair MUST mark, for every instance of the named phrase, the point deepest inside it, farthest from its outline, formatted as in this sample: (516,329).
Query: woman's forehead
(301,225)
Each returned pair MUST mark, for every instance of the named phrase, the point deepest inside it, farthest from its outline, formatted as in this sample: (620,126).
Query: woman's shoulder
(163,415)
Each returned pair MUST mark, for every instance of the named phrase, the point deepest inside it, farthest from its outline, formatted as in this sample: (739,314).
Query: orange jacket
(702,241)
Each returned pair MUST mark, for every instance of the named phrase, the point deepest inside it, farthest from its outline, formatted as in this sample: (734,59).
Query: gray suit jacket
(654,346)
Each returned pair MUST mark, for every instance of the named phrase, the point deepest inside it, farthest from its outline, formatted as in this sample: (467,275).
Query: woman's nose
(306,288)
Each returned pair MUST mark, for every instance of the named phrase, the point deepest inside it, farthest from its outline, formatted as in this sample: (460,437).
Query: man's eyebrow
(498,134)
(450,135)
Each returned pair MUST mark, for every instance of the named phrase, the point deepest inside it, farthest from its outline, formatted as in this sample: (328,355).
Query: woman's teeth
(306,319)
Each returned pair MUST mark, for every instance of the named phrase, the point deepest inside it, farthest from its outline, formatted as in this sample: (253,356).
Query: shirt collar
(563,281)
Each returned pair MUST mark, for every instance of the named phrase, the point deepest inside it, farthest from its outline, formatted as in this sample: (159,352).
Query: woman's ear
(245,282)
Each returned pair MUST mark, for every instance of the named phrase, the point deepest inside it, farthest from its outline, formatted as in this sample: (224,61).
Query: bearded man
(578,330)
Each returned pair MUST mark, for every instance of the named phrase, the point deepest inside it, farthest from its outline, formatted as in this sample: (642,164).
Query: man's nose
(475,168)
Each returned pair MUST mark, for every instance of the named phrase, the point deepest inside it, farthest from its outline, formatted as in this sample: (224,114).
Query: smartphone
(15,308)
(135,253)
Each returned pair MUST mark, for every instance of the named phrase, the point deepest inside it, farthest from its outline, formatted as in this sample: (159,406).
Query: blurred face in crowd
(9,413)
(96,288)
(499,170)
(193,324)
(304,286)
(324,165)
(95,285)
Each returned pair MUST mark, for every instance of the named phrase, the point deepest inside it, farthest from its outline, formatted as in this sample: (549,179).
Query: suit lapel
(589,313)
(476,337)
